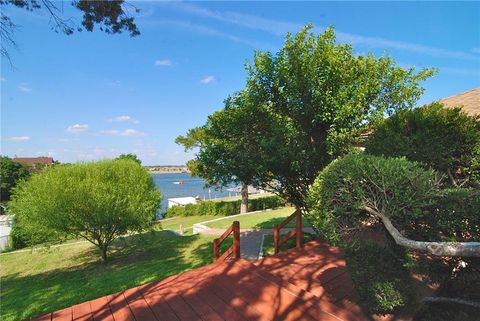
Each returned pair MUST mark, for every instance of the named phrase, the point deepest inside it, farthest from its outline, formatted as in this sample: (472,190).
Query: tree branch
(453,300)
(468,249)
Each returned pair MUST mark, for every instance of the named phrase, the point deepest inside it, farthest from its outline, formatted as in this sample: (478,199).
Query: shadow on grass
(133,260)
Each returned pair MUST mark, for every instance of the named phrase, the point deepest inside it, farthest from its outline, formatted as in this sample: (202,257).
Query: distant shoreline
(167,169)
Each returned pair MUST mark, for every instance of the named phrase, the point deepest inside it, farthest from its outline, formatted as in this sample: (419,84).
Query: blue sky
(92,96)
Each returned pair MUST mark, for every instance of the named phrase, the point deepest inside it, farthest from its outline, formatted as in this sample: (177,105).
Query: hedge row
(224,208)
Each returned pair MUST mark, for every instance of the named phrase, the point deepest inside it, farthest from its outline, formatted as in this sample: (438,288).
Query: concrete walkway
(251,240)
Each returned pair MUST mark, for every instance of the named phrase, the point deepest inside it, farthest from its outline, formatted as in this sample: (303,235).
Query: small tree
(445,139)
(228,146)
(10,174)
(97,201)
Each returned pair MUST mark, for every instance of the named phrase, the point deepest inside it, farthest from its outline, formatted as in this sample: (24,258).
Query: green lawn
(187,222)
(264,219)
(47,279)
(268,243)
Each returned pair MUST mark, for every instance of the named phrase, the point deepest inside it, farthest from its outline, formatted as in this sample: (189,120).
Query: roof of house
(469,101)
(31,161)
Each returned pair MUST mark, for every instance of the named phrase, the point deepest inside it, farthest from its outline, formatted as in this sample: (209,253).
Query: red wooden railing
(277,240)
(234,249)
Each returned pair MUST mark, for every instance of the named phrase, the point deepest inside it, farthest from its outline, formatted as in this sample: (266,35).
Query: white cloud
(114,83)
(20,138)
(63,140)
(2,79)
(123,119)
(208,79)
(77,128)
(163,62)
(24,87)
(125,133)
(131,132)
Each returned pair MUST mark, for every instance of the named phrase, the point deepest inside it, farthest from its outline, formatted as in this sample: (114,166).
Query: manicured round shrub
(446,139)
(394,186)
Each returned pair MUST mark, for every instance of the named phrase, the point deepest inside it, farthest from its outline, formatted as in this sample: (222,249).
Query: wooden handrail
(234,249)
(277,240)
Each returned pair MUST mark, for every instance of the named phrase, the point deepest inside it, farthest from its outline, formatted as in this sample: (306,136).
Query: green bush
(453,215)
(448,140)
(97,201)
(380,276)
(395,186)
(224,208)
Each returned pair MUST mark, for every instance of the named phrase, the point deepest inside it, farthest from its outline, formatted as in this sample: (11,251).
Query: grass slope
(187,222)
(264,219)
(47,279)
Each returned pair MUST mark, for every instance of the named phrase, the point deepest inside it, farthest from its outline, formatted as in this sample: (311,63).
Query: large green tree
(96,201)
(111,16)
(320,95)
(10,174)
(228,145)
(446,139)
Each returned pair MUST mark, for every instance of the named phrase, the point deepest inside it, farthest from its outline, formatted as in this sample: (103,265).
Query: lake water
(193,186)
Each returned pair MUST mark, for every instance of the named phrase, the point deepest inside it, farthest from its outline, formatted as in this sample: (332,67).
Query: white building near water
(181,201)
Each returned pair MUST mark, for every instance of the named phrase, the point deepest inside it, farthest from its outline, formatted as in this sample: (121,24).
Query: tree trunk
(103,250)
(468,249)
(244,203)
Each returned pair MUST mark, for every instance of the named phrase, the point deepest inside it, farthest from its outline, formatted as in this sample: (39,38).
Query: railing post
(216,250)
(298,228)
(276,238)
(236,239)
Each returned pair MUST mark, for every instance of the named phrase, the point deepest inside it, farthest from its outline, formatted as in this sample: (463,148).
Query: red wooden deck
(300,284)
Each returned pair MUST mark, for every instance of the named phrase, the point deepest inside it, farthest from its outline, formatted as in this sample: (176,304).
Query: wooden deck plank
(207,295)
(161,309)
(119,307)
(272,297)
(141,310)
(183,311)
(63,315)
(237,303)
(202,308)
(283,307)
(101,309)
(82,312)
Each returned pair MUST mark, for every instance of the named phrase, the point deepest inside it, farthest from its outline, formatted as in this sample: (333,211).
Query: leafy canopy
(445,139)
(111,17)
(97,201)
(228,143)
(319,95)
(131,157)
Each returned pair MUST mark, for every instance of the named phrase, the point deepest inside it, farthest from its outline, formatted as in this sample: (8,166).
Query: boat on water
(179,182)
